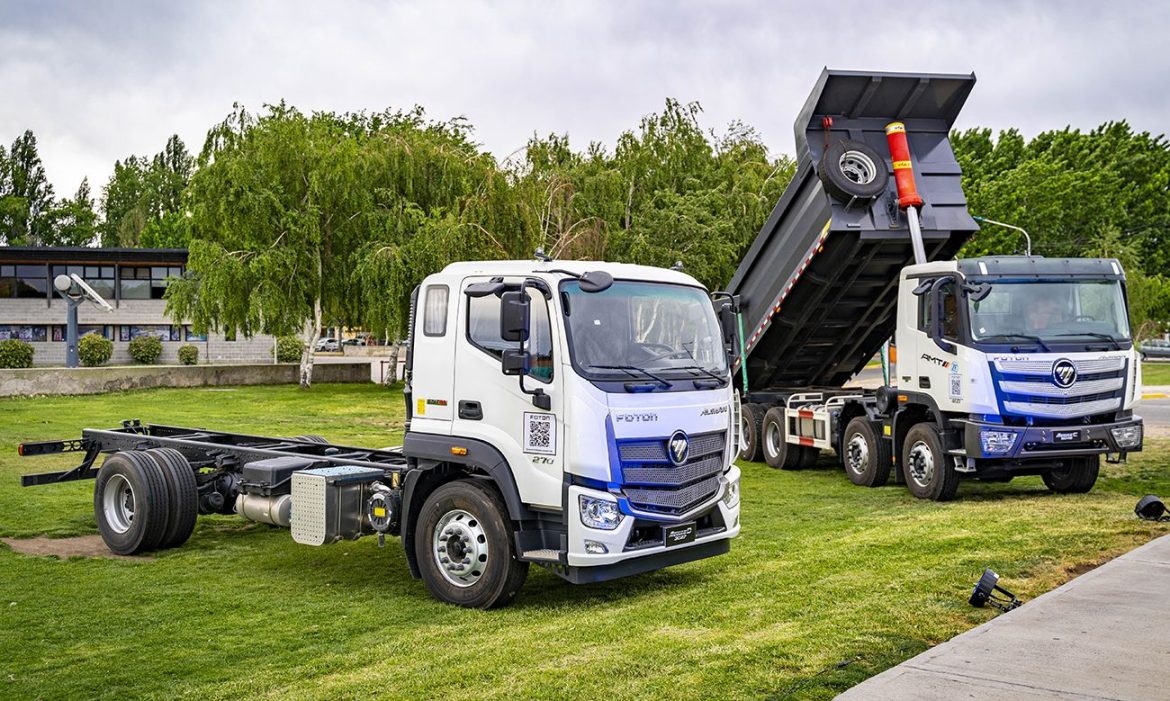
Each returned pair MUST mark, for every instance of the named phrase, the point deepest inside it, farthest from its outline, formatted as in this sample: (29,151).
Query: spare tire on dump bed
(851,169)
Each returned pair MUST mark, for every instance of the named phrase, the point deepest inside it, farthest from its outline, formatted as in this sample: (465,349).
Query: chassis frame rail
(202,448)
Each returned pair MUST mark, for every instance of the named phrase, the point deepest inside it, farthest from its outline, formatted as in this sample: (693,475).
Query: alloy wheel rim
(460,547)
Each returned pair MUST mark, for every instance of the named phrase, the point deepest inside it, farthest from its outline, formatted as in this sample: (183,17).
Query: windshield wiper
(630,370)
(1034,339)
(1095,334)
(703,370)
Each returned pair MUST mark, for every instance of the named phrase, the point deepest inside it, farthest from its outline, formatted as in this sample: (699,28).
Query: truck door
(923,365)
(490,406)
(433,358)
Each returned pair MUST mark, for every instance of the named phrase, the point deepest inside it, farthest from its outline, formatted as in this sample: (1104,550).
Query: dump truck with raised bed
(569,414)
(1006,365)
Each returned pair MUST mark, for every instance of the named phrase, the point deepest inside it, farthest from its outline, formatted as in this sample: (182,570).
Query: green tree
(74,220)
(26,197)
(142,204)
(125,211)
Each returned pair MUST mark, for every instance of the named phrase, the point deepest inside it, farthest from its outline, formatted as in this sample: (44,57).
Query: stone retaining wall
(58,381)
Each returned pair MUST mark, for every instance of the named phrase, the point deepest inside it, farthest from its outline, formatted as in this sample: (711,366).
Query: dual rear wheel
(145,500)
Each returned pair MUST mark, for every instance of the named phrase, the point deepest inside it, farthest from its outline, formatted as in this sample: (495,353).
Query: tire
(475,515)
(1077,477)
(930,473)
(130,501)
(751,427)
(778,453)
(851,169)
(183,504)
(310,438)
(864,454)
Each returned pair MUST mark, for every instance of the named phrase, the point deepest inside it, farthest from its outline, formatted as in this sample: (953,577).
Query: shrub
(94,349)
(288,349)
(15,353)
(145,349)
(188,354)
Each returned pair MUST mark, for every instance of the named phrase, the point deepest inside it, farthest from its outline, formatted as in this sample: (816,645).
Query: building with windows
(132,280)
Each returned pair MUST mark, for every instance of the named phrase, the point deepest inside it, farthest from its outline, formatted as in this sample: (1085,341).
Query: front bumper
(632,548)
(1049,441)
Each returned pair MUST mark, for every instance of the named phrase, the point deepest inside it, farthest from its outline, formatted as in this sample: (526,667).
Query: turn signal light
(456,450)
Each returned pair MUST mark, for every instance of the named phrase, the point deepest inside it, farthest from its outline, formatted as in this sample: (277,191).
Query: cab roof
(620,271)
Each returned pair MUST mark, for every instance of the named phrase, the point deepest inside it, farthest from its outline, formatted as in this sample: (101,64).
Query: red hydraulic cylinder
(903,172)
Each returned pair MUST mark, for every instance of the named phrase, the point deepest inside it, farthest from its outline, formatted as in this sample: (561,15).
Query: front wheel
(930,473)
(1077,476)
(751,420)
(464,546)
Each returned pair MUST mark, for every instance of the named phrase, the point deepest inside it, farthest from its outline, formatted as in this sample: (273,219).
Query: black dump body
(819,284)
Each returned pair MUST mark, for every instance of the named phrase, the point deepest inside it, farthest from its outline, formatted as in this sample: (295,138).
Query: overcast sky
(97,81)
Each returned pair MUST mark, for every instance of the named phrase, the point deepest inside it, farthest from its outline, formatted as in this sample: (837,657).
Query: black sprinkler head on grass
(985,593)
(1151,508)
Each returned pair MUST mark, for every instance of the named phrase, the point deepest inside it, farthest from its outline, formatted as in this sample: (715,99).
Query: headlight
(997,442)
(731,496)
(1127,436)
(599,513)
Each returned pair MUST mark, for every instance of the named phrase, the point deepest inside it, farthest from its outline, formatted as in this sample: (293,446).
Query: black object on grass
(985,593)
(1151,508)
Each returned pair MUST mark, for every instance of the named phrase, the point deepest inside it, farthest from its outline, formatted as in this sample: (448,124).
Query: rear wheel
(130,501)
(865,455)
(751,419)
(930,473)
(778,452)
(464,546)
(183,495)
(1076,477)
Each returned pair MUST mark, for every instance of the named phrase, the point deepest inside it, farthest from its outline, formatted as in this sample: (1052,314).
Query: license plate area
(679,535)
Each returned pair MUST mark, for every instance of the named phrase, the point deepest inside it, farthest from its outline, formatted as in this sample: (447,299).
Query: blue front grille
(653,483)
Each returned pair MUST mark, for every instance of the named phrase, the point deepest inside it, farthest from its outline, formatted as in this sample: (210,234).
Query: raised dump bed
(819,284)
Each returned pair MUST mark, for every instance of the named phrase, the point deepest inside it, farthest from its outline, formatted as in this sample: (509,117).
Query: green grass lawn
(1156,373)
(828,583)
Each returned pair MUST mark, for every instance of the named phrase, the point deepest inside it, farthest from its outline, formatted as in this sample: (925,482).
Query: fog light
(985,590)
(1151,508)
(731,496)
(1127,436)
(594,548)
(997,442)
(599,513)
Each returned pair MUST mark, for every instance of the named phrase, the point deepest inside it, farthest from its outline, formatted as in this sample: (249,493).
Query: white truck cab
(596,397)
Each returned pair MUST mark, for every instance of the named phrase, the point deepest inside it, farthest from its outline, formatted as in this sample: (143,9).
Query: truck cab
(1024,359)
(597,399)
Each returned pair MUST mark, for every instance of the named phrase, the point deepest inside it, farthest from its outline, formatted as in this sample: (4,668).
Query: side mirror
(977,293)
(595,281)
(727,323)
(514,362)
(514,316)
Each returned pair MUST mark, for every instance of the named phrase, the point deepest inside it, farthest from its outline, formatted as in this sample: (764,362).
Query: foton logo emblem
(680,447)
(1064,373)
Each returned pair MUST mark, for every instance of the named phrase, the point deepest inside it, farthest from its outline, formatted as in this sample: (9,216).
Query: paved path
(1104,635)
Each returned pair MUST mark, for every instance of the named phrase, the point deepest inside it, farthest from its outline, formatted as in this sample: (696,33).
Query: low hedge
(15,353)
(94,349)
(145,349)
(288,349)
(188,354)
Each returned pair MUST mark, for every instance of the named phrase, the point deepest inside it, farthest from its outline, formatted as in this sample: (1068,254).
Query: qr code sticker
(956,386)
(540,434)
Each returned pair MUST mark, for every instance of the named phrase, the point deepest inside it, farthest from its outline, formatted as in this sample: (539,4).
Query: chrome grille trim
(1062,411)
(1047,389)
(1044,367)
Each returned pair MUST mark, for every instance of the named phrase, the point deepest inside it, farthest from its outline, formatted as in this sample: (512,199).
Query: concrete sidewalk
(1104,635)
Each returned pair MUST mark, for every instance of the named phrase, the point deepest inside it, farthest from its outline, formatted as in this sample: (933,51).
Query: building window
(147,283)
(82,329)
(99,277)
(31,334)
(190,335)
(163,332)
(31,281)
(435,311)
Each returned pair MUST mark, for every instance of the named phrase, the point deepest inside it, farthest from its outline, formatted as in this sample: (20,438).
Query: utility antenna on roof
(541,256)
(678,266)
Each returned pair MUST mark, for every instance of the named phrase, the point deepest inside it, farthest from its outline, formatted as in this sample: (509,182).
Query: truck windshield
(643,331)
(1050,311)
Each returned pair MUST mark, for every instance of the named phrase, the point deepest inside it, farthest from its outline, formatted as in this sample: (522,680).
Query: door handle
(923,382)
(470,410)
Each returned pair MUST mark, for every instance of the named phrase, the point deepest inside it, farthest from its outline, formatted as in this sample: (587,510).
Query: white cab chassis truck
(1010,365)
(575,415)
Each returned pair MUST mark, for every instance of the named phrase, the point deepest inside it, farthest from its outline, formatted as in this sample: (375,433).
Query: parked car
(1155,349)
(328,344)
(354,342)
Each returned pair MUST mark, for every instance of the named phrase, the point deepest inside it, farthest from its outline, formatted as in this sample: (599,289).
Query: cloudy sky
(97,81)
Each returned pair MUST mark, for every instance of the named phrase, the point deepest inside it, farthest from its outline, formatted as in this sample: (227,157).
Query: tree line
(296,221)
